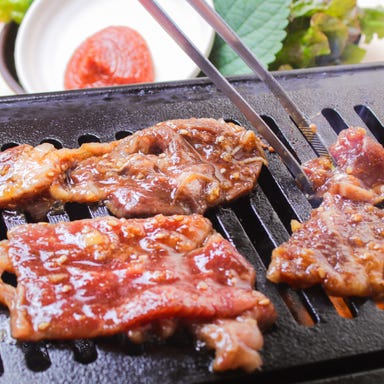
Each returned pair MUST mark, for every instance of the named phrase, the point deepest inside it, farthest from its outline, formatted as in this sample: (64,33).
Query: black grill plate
(334,349)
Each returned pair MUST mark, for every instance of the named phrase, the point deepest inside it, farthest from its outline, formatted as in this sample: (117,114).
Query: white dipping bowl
(52,30)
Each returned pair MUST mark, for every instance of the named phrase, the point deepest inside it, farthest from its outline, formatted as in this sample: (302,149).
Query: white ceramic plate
(53,29)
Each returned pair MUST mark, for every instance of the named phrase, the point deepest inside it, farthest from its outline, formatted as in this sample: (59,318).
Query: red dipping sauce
(115,55)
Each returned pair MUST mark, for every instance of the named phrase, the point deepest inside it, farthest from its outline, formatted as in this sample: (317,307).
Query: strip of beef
(359,171)
(237,341)
(174,167)
(96,277)
(341,247)
(361,156)
(27,172)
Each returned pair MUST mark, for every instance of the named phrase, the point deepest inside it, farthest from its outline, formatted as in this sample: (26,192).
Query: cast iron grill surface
(313,340)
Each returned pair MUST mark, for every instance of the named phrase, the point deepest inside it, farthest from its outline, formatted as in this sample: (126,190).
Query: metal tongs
(231,38)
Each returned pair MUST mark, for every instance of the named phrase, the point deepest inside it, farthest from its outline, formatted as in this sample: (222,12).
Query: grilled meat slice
(359,155)
(341,247)
(174,167)
(27,172)
(237,341)
(359,171)
(102,276)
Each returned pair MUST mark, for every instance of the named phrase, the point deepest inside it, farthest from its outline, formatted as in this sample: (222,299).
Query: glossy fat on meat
(359,155)
(174,167)
(237,341)
(340,247)
(96,277)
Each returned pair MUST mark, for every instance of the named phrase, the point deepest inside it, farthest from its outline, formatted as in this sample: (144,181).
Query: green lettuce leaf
(336,33)
(302,47)
(352,54)
(372,21)
(342,9)
(306,8)
(13,10)
(321,32)
(260,24)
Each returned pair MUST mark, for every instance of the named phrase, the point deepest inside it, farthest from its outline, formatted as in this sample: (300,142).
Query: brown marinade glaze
(341,246)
